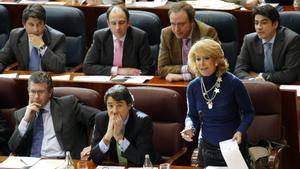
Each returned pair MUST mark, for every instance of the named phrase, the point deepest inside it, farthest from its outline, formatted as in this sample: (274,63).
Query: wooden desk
(91,165)
(244,17)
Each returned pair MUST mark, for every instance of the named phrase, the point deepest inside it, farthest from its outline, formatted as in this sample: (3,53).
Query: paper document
(151,4)
(215,167)
(9,75)
(49,164)
(18,162)
(232,155)
(24,76)
(92,78)
(140,168)
(131,79)
(33,2)
(213,4)
(110,167)
(291,87)
(61,77)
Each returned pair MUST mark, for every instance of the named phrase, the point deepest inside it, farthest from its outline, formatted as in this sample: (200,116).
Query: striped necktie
(38,135)
(268,61)
(35,60)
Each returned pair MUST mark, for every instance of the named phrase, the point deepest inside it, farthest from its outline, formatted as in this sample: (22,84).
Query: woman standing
(218,101)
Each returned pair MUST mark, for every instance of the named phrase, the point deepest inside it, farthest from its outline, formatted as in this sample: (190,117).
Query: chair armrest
(76,68)
(176,156)
(12,66)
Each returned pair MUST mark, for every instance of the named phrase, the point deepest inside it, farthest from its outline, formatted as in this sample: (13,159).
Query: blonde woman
(218,101)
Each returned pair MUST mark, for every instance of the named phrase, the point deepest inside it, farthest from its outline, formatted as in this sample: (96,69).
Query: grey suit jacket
(17,49)
(138,131)
(71,120)
(169,59)
(136,52)
(285,54)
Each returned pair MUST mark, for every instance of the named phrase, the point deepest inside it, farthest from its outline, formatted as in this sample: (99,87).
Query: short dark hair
(34,11)
(122,7)
(190,11)
(119,92)
(41,77)
(267,11)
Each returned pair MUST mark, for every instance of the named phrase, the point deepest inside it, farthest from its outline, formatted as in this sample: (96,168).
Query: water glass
(164,166)
(82,165)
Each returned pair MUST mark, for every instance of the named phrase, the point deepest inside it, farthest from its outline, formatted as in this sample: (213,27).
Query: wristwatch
(43,47)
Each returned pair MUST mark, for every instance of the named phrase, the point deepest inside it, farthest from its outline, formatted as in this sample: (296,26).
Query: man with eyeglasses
(176,40)
(49,126)
(120,49)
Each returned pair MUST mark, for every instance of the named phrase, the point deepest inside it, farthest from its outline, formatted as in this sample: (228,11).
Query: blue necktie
(35,60)
(268,61)
(38,135)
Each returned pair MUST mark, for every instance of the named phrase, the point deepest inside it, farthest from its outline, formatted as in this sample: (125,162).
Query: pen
(23,161)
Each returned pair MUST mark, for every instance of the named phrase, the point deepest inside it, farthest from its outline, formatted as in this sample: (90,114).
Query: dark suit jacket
(169,59)
(17,49)
(136,52)
(71,121)
(138,131)
(4,136)
(285,54)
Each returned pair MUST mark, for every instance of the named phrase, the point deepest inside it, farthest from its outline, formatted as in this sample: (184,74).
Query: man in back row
(177,39)
(272,53)
(36,46)
(120,49)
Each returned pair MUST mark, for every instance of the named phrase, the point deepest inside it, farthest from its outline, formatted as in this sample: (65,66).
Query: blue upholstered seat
(227,28)
(4,25)
(291,19)
(71,22)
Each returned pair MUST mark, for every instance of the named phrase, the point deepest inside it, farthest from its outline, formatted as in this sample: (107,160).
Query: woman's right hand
(187,134)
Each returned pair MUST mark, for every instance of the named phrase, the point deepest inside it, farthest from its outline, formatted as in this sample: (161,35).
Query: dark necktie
(38,135)
(35,60)
(185,51)
(268,61)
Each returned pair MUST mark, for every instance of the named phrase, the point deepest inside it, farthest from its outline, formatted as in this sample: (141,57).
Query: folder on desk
(13,162)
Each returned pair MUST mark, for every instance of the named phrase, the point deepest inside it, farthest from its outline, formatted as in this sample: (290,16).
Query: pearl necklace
(215,88)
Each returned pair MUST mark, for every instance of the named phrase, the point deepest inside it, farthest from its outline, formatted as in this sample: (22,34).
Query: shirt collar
(122,39)
(270,41)
(47,106)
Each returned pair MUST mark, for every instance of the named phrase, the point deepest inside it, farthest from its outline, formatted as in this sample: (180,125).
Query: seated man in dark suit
(50,126)
(4,136)
(272,53)
(120,49)
(36,46)
(122,134)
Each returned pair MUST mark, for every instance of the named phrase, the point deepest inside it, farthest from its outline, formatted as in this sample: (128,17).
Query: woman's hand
(188,134)
(237,137)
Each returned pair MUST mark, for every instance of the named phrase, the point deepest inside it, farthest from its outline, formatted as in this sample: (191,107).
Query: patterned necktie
(122,160)
(38,135)
(35,60)
(268,61)
(185,50)
(118,53)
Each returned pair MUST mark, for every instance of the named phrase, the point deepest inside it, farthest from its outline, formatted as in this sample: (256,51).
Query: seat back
(227,28)
(9,101)
(4,25)
(291,19)
(266,99)
(71,22)
(166,109)
(146,21)
(88,97)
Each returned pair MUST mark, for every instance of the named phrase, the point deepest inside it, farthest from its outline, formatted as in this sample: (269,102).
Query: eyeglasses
(38,92)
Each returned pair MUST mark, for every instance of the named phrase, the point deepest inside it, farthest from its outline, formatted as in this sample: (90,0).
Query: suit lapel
(109,45)
(127,47)
(24,50)
(176,51)
(277,46)
(57,118)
